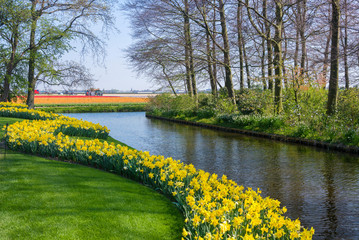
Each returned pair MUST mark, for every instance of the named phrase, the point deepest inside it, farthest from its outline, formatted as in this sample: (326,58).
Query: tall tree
(14,23)
(345,45)
(226,52)
(334,59)
(54,23)
(240,45)
(276,42)
(190,75)
(269,47)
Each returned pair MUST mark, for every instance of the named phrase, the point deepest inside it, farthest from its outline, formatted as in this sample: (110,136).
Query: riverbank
(278,137)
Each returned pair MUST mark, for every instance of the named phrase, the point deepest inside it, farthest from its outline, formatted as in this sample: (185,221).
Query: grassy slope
(46,199)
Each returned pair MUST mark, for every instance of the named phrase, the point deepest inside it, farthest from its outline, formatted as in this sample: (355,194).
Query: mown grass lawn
(48,199)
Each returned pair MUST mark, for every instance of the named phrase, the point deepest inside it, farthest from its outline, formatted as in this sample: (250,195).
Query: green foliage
(348,106)
(252,122)
(304,113)
(254,101)
(169,105)
(304,104)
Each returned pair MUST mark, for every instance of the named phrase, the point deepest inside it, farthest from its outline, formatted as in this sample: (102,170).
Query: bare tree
(69,74)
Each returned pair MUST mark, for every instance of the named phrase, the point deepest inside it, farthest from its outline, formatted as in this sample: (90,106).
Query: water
(319,187)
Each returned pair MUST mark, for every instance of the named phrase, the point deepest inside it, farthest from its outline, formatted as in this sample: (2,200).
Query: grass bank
(88,108)
(47,199)
(305,118)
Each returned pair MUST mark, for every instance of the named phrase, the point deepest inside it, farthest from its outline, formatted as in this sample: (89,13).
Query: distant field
(41,99)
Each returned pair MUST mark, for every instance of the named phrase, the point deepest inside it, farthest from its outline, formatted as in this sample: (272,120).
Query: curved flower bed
(12,105)
(20,112)
(214,208)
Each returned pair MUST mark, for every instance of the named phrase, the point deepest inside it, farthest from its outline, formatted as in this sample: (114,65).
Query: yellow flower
(196,219)
(184,232)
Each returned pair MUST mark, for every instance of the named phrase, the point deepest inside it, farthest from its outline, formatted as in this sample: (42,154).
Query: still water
(319,187)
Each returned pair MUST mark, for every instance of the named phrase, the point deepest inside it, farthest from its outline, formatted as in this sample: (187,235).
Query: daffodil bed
(214,208)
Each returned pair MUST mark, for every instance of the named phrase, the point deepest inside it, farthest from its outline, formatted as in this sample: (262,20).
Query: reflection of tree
(330,201)
(272,175)
(294,170)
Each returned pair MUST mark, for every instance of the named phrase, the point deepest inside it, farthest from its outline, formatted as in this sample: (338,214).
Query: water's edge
(282,138)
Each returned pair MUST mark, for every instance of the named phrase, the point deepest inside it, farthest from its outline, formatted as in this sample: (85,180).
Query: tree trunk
(334,59)
(326,57)
(32,58)
(303,41)
(226,60)
(240,45)
(187,50)
(269,47)
(285,77)
(214,54)
(263,65)
(247,65)
(278,61)
(10,66)
(168,79)
(209,58)
(345,47)
(297,19)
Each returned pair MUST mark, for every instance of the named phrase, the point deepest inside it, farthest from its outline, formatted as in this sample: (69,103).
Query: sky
(117,73)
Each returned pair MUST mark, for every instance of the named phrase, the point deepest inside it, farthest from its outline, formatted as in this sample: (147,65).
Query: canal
(319,187)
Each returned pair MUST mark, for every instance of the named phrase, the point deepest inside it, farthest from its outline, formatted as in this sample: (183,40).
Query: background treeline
(35,34)
(273,45)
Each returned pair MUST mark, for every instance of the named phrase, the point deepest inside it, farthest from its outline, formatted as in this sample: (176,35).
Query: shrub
(348,106)
(254,101)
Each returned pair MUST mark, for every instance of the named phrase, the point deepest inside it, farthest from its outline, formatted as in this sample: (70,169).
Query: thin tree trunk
(32,58)
(296,52)
(247,65)
(326,52)
(302,35)
(285,77)
(214,54)
(168,79)
(263,65)
(346,67)
(326,56)
(209,58)
(240,45)
(10,66)
(334,59)
(269,48)
(187,50)
(226,60)
(278,62)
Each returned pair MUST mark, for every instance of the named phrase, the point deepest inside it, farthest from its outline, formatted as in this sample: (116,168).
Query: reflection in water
(319,187)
